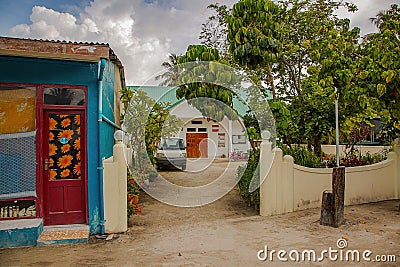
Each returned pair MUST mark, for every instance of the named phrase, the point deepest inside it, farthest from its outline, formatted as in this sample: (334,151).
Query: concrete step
(64,234)
(20,233)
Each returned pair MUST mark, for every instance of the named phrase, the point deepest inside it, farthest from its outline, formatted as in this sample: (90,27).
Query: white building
(204,138)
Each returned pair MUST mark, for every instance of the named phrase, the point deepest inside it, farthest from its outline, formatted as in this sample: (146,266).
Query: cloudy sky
(141,32)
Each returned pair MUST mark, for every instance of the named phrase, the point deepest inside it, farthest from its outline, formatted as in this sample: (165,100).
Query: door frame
(41,108)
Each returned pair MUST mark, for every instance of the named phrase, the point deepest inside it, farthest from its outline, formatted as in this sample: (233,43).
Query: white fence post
(277,188)
(397,175)
(266,162)
(115,190)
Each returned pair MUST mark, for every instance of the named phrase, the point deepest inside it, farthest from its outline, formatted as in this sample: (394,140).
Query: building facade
(204,137)
(59,107)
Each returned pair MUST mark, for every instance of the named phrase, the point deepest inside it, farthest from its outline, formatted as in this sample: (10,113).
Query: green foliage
(160,123)
(206,77)
(246,176)
(253,32)
(284,40)
(126,96)
(133,193)
(302,156)
(379,64)
(356,159)
(285,122)
(252,129)
(303,49)
(146,121)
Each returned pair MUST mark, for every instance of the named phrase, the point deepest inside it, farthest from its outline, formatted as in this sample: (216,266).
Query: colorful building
(59,108)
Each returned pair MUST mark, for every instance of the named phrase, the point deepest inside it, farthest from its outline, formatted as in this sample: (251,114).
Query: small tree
(146,121)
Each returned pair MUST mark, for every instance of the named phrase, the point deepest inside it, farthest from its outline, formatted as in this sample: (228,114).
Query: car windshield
(172,143)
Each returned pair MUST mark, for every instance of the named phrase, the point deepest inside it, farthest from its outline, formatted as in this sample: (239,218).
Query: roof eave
(43,55)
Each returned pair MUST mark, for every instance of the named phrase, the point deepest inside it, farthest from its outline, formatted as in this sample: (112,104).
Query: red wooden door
(64,178)
(196,145)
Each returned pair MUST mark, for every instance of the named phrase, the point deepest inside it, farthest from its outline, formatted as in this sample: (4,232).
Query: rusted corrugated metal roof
(56,41)
(57,49)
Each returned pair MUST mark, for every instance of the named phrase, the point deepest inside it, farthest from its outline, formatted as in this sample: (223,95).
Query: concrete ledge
(64,234)
(20,233)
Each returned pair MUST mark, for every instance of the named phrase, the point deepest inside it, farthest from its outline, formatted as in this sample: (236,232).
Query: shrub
(302,156)
(133,193)
(354,160)
(246,175)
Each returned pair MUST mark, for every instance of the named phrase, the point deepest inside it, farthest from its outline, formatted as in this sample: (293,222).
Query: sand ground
(224,233)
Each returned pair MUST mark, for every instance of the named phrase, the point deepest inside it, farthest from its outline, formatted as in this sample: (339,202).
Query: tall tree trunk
(317,146)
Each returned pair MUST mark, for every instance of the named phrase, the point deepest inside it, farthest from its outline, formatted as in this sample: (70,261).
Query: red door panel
(64,161)
(56,204)
(75,203)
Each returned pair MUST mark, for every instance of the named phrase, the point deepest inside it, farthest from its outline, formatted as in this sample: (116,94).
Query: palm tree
(170,76)
(386,16)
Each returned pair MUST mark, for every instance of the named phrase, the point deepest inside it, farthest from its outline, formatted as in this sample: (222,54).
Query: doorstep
(20,233)
(64,234)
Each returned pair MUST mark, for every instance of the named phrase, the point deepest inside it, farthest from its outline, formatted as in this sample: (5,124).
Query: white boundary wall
(289,187)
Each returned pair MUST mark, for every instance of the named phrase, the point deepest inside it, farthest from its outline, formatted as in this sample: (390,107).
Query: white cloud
(142,34)
(367,9)
(102,21)
(49,24)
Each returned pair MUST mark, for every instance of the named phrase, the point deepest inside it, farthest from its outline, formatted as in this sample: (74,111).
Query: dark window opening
(64,96)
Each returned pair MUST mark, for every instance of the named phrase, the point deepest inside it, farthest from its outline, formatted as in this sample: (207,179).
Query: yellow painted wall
(17,110)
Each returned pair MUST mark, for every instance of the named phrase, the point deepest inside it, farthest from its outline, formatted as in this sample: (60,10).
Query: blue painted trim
(21,237)
(62,241)
(102,67)
(111,122)
(100,168)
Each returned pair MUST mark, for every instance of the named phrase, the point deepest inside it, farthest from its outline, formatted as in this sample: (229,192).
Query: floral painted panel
(64,146)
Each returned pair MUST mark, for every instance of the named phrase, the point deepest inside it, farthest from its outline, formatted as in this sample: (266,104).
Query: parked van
(171,153)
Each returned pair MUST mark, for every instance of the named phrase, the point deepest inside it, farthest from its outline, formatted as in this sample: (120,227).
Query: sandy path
(223,233)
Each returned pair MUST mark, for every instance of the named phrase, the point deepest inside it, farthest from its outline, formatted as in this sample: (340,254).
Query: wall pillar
(287,188)
(115,191)
(397,174)
(266,169)
(277,187)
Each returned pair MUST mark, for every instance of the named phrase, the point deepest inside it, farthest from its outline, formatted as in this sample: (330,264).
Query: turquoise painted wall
(44,71)
(107,131)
